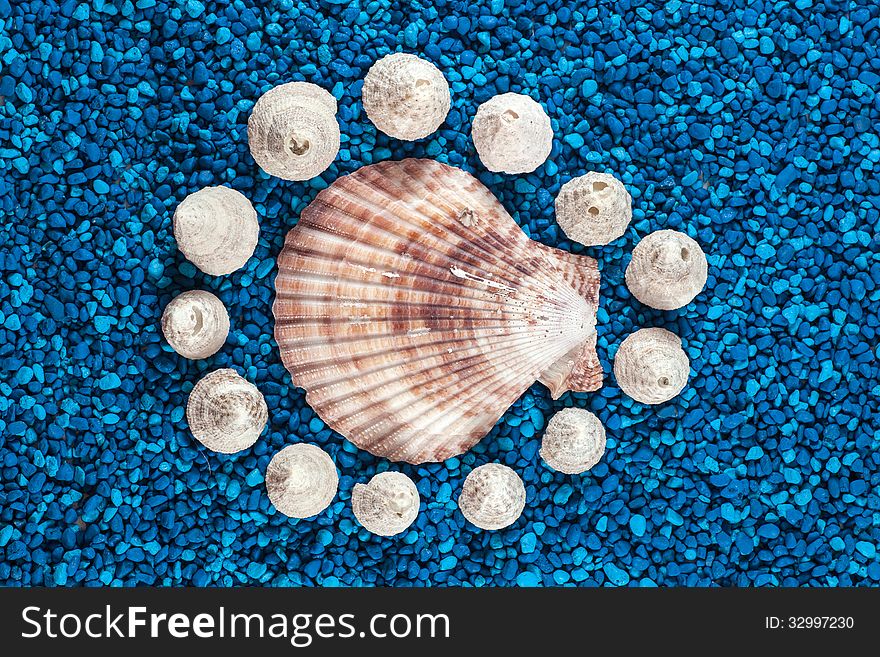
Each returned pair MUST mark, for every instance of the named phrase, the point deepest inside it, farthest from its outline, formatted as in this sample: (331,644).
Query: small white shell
(216,228)
(574,441)
(668,269)
(651,367)
(301,480)
(512,134)
(493,496)
(593,209)
(225,412)
(292,131)
(405,96)
(387,505)
(195,324)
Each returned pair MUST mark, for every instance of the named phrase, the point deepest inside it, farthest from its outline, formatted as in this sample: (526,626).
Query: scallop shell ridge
(414,310)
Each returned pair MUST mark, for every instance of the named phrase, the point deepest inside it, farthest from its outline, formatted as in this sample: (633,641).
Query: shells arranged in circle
(195,324)
(574,441)
(301,480)
(512,134)
(387,505)
(414,310)
(216,228)
(292,131)
(225,412)
(493,496)
(405,97)
(650,366)
(668,269)
(593,209)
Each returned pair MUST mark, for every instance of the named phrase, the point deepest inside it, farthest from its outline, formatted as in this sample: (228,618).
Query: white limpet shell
(195,324)
(650,366)
(225,412)
(574,441)
(216,228)
(301,480)
(593,209)
(512,134)
(414,310)
(405,97)
(292,131)
(493,496)
(387,505)
(668,269)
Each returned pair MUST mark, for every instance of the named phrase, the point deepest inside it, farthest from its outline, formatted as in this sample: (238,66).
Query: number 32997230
(809,623)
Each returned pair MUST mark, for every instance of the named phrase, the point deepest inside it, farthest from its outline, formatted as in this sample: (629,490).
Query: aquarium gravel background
(754,130)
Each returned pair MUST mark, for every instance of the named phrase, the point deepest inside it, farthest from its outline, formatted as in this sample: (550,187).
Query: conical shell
(493,496)
(574,441)
(387,505)
(301,480)
(414,311)
(195,324)
(216,228)
(405,96)
(651,367)
(225,412)
(593,209)
(668,269)
(292,132)
(512,134)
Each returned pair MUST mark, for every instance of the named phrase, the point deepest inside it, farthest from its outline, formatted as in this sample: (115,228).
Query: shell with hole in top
(512,134)
(195,323)
(292,131)
(387,505)
(414,311)
(493,496)
(301,480)
(650,366)
(668,269)
(225,412)
(593,209)
(574,441)
(405,96)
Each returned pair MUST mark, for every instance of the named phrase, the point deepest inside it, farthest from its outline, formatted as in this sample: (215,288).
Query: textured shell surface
(292,131)
(387,505)
(225,412)
(216,228)
(650,366)
(512,134)
(405,97)
(593,209)
(493,496)
(301,480)
(414,311)
(574,441)
(668,269)
(195,323)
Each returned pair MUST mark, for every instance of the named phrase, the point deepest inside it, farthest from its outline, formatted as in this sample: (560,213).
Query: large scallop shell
(414,311)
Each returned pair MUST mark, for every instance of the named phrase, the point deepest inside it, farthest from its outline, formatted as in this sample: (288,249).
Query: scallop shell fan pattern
(414,311)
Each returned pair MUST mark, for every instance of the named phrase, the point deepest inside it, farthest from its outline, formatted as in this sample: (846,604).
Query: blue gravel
(752,130)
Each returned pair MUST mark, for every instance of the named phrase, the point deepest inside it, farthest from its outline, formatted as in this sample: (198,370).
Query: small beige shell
(405,96)
(574,441)
(292,131)
(512,134)
(593,209)
(225,412)
(493,496)
(387,505)
(301,480)
(651,367)
(216,228)
(668,269)
(195,324)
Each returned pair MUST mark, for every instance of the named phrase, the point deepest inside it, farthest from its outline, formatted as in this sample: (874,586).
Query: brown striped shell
(414,310)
